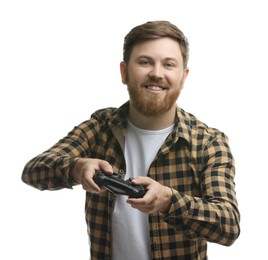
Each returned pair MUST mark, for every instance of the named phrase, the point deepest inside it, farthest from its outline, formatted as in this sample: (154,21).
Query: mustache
(154,80)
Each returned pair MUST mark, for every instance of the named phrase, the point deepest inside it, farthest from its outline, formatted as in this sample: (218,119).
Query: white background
(59,62)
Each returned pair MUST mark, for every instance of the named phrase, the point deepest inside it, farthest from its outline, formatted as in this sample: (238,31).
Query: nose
(156,72)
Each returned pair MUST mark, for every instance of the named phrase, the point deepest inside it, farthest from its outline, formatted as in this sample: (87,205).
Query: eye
(170,65)
(145,62)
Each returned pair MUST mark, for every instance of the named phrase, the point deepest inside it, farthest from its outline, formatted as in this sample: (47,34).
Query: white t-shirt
(131,239)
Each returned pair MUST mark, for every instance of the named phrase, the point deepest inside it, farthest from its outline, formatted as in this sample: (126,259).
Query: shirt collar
(182,127)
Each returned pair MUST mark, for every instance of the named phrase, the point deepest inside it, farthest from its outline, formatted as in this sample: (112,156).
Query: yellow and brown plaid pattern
(195,161)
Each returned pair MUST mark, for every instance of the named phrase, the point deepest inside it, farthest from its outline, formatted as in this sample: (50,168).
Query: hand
(84,170)
(157,197)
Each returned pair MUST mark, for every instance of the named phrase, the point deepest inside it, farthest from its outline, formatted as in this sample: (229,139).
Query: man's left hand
(157,197)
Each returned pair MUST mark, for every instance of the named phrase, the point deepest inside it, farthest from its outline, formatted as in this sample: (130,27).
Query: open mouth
(154,87)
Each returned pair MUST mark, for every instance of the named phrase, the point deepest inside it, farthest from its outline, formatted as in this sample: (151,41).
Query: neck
(152,122)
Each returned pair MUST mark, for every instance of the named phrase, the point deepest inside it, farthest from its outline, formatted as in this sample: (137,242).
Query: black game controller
(119,186)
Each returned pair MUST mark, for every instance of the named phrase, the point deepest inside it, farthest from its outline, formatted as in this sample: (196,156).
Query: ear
(184,76)
(123,70)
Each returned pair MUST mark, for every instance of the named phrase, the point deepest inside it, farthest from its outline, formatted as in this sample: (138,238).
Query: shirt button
(171,221)
(112,197)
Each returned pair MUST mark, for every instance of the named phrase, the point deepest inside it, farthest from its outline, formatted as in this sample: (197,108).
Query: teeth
(156,88)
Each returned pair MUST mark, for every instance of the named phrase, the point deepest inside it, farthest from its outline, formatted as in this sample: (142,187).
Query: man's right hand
(84,170)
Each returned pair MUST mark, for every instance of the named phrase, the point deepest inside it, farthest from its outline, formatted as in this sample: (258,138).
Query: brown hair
(155,30)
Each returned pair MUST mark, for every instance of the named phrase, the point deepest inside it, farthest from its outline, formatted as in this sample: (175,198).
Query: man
(186,167)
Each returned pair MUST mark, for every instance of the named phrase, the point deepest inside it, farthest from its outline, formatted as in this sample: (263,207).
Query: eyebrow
(149,57)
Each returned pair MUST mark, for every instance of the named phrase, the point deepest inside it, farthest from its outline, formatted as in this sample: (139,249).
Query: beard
(150,104)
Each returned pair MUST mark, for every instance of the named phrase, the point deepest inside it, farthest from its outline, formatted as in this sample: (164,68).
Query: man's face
(154,76)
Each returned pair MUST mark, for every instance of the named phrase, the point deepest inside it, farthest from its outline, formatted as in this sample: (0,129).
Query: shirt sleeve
(214,216)
(50,170)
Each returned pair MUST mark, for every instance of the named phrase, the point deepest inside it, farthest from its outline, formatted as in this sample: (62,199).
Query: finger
(140,180)
(88,183)
(94,185)
(105,166)
(94,165)
(143,208)
(140,202)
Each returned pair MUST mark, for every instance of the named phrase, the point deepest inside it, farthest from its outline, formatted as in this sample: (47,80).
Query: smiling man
(154,75)
(186,167)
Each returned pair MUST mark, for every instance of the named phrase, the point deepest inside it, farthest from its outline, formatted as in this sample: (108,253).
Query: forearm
(49,171)
(198,218)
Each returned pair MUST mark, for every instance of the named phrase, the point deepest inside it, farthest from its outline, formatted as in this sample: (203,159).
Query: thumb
(105,166)
(140,180)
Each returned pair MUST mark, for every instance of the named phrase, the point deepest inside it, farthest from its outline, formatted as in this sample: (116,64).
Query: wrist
(168,197)
(75,171)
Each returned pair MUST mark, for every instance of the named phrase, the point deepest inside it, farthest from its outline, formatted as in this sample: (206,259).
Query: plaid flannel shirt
(195,161)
